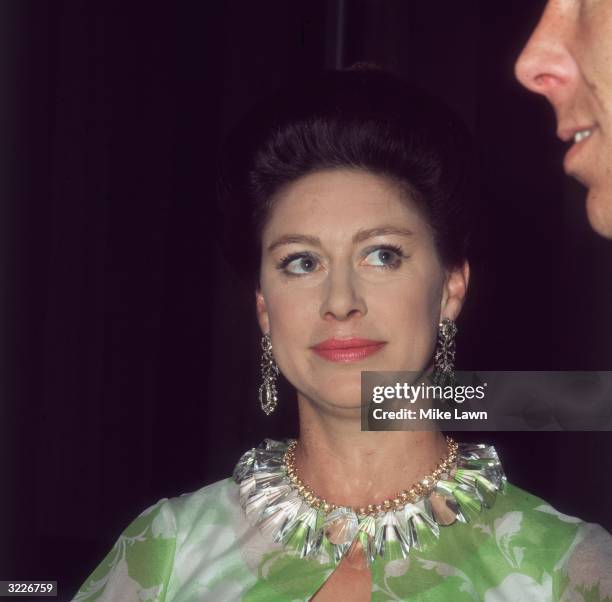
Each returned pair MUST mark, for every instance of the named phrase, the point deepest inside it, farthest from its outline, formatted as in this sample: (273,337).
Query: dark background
(131,347)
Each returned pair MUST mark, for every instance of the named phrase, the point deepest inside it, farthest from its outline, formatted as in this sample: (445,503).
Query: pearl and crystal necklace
(286,510)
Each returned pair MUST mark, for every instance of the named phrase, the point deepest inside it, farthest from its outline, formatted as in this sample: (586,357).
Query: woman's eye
(385,257)
(302,264)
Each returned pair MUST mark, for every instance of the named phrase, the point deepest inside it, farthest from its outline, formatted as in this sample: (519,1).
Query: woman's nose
(546,64)
(341,297)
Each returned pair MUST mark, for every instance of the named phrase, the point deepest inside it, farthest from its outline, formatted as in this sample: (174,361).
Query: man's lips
(347,350)
(580,137)
(575,133)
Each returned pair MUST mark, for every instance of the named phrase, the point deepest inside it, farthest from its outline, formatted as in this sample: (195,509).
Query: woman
(355,190)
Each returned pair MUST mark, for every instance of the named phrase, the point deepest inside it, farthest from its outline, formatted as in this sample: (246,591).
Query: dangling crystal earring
(444,359)
(268,397)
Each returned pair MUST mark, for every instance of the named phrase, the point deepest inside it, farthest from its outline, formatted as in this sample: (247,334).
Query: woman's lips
(347,350)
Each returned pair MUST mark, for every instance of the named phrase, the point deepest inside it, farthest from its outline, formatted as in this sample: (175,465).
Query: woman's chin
(342,397)
(344,408)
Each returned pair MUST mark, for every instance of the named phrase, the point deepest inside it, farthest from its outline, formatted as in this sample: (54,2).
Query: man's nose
(342,300)
(546,65)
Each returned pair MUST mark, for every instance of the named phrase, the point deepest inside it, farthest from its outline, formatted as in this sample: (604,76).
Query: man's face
(568,59)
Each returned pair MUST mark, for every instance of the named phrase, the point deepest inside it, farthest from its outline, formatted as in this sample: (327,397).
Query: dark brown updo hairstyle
(363,117)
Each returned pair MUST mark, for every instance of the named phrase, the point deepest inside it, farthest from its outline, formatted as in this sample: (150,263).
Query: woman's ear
(262,311)
(454,291)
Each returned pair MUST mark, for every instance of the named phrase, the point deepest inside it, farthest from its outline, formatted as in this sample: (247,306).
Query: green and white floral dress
(246,538)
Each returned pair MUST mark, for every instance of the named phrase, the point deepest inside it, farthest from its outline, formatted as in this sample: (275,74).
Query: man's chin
(599,211)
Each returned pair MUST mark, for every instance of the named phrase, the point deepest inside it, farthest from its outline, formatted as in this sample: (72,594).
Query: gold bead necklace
(419,490)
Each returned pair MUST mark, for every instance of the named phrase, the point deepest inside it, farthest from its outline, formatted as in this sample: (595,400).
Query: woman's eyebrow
(289,239)
(381,231)
(360,236)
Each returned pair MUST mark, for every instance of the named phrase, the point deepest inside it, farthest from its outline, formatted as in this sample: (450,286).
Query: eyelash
(398,250)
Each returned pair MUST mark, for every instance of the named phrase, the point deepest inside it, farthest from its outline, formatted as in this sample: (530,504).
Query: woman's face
(350,280)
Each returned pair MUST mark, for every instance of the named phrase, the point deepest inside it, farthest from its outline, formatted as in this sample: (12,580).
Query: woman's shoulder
(165,517)
(202,499)
(515,498)
(581,550)
(142,563)
(213,504)
(170,516)
(545,519)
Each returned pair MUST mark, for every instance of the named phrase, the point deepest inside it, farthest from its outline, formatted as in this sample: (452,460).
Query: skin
(568,59)
(344,289)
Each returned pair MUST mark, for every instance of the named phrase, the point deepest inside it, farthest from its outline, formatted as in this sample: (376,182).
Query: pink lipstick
(347,350)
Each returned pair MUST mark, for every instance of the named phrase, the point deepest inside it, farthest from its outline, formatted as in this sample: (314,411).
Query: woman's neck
(351,467)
